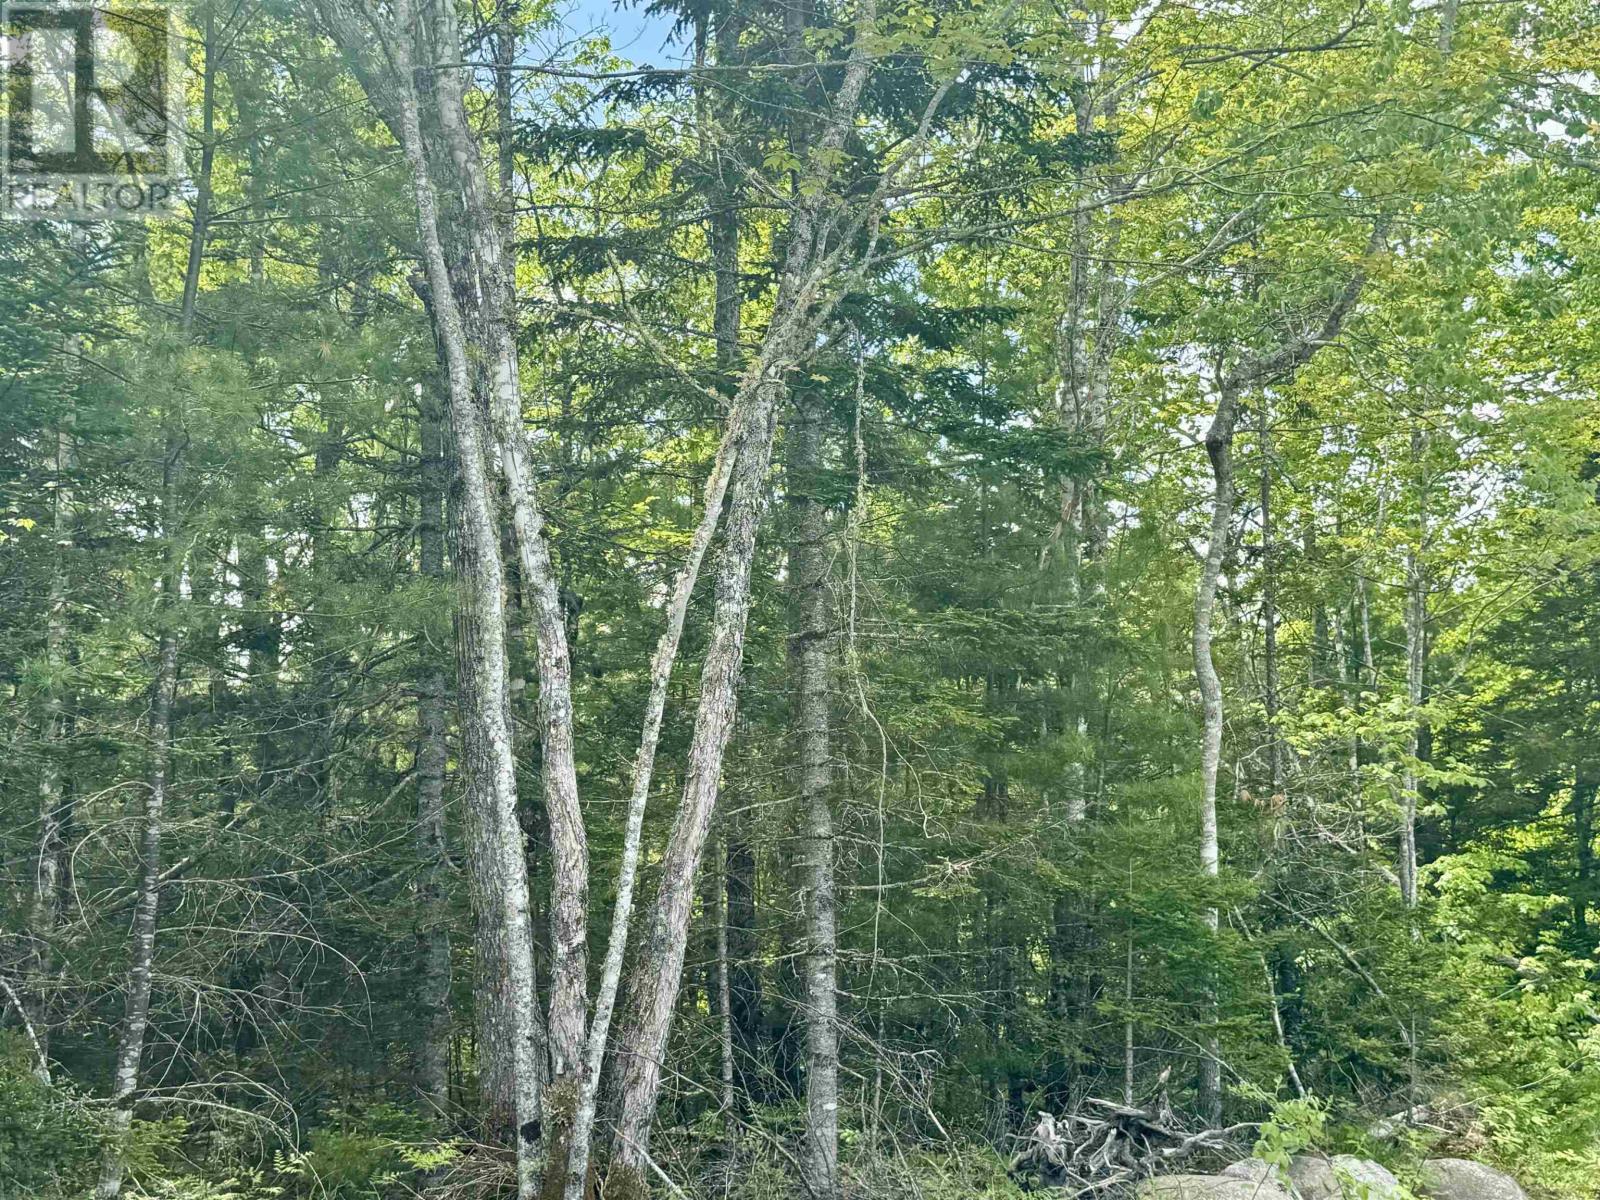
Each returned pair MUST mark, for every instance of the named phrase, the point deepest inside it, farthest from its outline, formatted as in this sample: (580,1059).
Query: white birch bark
(1254,370)
(1219,449)
(1416,623)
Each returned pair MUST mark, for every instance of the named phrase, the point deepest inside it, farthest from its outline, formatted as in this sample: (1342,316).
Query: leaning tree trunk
(800,309)
(660,965)
(810,654)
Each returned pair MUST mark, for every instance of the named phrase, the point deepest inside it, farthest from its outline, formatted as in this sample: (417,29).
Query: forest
(841,600)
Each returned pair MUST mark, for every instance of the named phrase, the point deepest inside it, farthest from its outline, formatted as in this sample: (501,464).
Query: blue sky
(635,36)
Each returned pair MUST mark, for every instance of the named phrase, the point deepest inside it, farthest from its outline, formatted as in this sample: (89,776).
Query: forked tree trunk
(499,870)
(494,332)
(661,961)
(799,311)
(1253,370)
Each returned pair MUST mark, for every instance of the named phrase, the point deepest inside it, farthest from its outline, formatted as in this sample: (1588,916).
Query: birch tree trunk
(136,1010)
(1269,610)
(1219,449)
(1416,627)
(1253,370)
(1416,620)
(810,653)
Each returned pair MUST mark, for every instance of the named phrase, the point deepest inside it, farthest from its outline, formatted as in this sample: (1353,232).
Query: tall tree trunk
(661,962)
(329,667)
(499,869)
(494,331)
(136,1000)
(433,927)
(1416,627)
(1351,696)
(1269,609)
(725,1006)
(1252,370)
(810,653)
(1128,1062)
(1219,449)
(136,1010)
(799,311)
(54,805)
(743,922)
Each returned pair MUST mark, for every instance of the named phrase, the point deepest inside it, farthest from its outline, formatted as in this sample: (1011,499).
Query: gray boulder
(1342,1177)
(1463,1179)
(1209,1187)
(1252,1170)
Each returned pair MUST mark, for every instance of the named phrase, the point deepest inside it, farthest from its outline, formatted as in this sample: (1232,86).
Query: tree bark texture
(433,929)
(660,966)
(493,330)
(512,1029)
(1219,449)
(810,653)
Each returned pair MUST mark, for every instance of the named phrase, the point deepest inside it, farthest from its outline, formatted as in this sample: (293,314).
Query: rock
(1253,1170)
(1209,1187)
(1463,1179)
(1341,1177)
